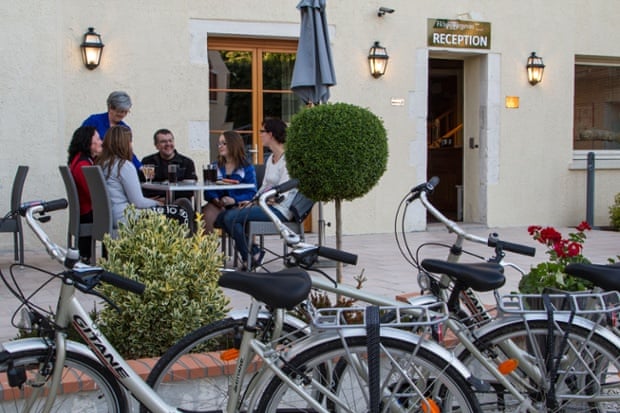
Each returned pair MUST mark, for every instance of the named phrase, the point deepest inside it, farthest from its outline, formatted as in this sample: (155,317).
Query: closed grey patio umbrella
(313,73)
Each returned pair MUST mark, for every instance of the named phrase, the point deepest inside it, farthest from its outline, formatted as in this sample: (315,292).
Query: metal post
(590,190)
(321,225)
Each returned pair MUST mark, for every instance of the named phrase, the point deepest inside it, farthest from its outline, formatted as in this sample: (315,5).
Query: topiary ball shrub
(180,274)
(337,151)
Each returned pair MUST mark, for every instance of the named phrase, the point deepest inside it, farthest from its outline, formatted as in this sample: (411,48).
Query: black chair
(300,207)
(75,229)
(13,223)
(102,207)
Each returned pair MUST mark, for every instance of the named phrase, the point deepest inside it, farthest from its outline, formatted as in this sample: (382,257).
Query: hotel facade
(455,98)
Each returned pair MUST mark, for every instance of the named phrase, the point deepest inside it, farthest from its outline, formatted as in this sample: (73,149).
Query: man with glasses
(119,104)
(167,154)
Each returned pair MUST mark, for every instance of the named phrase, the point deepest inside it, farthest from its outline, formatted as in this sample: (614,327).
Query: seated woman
(273,135)
(232,164)
(123,182)
(85,146)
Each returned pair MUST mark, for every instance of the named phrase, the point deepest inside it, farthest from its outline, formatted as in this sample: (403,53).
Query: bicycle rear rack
(579,303)
(400,316)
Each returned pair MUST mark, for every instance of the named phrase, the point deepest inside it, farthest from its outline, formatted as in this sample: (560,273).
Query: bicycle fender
(563,317)
(38,343)
(389,332)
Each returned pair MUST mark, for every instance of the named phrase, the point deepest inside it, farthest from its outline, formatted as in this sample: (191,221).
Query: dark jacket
(185,168)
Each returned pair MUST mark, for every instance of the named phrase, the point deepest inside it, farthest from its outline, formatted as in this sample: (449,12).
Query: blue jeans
(234,221)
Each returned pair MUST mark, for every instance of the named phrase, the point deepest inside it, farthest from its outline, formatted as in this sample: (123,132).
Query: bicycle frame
(470,298)
(70,313)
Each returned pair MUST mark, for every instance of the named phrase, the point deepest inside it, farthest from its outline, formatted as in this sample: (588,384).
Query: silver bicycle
(403,372)
(523,359)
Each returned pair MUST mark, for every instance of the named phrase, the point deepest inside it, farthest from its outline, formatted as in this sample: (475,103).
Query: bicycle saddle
(484,276)
(281,289)
(605,276)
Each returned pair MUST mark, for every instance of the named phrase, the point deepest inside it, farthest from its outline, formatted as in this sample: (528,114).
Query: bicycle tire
(592,357)
(87,385)
(169,377)
(433,376)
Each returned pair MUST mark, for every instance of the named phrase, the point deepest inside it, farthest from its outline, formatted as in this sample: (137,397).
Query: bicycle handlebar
(337,255)
(293,239)
(66,257)
(494,241)
(121,282)
(48,206)
(286,186)
(421,192)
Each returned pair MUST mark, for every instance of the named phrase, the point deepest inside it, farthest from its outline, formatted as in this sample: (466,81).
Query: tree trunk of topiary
(338,152)
(338,238)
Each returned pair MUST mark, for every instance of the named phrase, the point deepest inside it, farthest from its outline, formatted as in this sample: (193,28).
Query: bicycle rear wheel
(587,374)
(411,379)
(86,385)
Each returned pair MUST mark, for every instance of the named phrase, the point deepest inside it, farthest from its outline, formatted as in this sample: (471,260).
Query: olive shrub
(180,274)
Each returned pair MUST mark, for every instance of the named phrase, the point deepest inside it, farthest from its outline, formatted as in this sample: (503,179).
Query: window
(249,80)
(597,104)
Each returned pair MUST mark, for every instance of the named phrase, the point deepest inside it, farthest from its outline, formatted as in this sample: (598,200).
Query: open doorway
(445,134)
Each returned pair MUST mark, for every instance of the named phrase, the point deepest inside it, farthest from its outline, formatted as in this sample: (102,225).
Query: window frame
(257,46)
(603,158)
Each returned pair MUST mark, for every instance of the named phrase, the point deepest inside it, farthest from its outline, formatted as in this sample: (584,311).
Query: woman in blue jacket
(232,164)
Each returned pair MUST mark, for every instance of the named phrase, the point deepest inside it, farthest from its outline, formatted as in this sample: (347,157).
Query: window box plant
(549,275)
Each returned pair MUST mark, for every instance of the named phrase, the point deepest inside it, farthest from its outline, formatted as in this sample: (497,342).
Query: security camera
(383,10)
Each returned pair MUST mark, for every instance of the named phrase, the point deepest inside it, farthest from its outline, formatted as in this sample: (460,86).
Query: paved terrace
(386,271)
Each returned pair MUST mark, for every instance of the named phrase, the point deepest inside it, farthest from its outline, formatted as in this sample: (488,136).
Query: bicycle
(499,383)
(512,350)
(413,372)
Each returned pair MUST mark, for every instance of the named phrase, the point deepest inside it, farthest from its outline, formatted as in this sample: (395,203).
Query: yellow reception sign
(461,34)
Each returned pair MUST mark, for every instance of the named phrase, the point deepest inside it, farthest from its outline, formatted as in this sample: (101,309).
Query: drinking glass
(172,174)
(149,172)
(209,173)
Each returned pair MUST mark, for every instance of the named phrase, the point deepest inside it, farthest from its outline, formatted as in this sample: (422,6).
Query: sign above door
(459,34)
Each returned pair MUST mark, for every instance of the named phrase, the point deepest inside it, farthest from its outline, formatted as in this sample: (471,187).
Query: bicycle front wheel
(587,367)
(192,374)
(86,385)
(410,379)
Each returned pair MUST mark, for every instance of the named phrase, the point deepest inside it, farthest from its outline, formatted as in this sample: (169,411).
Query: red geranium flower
(574,249)
(584,226)
(550,236)
(561,251)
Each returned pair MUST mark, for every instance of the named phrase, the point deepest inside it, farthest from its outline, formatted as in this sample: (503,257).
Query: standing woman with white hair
(119,104)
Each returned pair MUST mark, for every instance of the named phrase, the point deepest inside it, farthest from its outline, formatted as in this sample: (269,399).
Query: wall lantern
(91,49)
(377,60)
(535,69)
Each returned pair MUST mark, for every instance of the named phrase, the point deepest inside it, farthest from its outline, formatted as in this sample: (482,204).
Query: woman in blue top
(232,164)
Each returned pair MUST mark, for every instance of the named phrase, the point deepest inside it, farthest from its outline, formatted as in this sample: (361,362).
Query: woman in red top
(84,147)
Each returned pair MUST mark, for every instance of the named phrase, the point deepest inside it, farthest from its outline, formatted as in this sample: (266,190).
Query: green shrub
(614,213)
(180,275)
(338,152)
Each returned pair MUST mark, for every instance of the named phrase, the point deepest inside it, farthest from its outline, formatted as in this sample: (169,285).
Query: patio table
(197,187)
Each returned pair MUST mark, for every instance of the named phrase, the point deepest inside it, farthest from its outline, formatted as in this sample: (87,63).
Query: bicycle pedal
(228,355)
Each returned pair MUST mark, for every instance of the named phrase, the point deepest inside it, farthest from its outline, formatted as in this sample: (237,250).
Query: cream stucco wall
(153,50)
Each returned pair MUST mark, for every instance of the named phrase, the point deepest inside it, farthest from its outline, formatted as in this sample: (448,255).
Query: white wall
(149,44)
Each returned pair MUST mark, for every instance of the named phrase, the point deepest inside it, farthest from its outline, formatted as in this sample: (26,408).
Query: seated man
(166,155)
